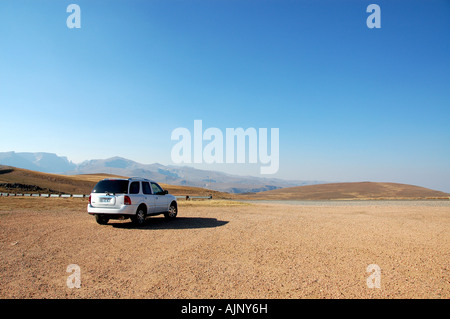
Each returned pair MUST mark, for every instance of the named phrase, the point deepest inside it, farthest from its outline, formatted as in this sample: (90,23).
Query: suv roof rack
(140,178)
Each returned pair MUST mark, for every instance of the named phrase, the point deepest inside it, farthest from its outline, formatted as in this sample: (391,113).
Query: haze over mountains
(175,175)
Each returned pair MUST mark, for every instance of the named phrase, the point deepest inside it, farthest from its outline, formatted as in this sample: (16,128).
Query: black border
(276,308)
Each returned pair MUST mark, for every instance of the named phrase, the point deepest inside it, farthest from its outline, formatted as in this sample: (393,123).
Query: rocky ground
(226,250)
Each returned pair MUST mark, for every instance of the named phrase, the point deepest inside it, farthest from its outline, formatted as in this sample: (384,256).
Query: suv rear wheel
(140,216)
(100,219)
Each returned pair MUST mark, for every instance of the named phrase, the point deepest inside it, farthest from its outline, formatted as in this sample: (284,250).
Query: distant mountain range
(175,175)
(42,162)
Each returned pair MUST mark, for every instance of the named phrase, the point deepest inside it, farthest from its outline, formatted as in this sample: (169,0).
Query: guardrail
(189,197)
(43,195)
(185,197)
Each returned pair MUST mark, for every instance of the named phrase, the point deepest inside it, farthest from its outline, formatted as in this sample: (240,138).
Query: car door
(150,200)
(135,193)
(160,198)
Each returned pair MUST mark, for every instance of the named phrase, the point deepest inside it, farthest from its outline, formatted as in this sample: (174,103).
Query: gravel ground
(226,251)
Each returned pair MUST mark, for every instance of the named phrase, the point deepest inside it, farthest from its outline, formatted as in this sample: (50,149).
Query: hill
(18,180)
(357,190)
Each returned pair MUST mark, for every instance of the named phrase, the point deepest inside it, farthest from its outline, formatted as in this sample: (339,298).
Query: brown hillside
(358,190)
(27,181)
(52,183)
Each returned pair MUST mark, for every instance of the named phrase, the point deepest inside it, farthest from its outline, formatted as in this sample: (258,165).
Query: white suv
(135,198)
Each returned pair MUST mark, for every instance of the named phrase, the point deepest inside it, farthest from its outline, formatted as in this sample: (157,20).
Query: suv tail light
(127,200)
(89,199)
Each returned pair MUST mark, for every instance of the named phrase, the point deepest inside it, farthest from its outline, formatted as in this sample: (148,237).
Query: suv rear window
(111,186)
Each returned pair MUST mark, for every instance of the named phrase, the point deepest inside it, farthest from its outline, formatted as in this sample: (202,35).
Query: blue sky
(351,103)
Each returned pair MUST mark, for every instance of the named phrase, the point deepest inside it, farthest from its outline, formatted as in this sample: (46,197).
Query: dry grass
(211,203)
(58,183)
(91,177)
(39,204)
(44,203)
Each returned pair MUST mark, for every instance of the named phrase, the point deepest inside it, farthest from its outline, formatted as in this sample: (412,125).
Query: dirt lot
(221,250)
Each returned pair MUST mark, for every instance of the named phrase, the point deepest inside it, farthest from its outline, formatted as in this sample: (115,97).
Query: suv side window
(134,188)
(157,190)
(146,188)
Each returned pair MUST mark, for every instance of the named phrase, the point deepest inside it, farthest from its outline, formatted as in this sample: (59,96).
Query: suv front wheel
(172,212)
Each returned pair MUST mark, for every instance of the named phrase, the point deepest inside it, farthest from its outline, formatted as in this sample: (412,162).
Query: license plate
(105,200)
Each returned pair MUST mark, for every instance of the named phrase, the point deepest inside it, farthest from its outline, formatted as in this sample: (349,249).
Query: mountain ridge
(169,174)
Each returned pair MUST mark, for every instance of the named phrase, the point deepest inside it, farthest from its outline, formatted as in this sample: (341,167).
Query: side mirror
(166,192)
